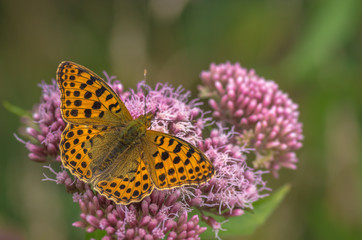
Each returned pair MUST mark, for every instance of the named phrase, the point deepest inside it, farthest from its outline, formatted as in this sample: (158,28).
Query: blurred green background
(311,48)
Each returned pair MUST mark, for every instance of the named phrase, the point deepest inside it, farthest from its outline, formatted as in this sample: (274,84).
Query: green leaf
(16,110)
(97,234)
(250,221)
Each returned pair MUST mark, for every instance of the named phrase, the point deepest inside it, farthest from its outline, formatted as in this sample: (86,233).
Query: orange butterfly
(104,146)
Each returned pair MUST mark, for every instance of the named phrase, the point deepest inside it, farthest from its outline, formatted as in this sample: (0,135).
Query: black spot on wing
(100,91)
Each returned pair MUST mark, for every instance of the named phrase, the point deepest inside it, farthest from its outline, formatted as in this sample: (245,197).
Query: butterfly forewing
(175,162)
(87,99)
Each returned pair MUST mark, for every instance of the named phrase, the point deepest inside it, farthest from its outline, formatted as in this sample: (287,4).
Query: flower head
(170,213)
(45,133)
(266,118)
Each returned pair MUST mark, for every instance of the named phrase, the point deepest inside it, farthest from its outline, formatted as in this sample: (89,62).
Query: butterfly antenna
(145,92)
(175,120)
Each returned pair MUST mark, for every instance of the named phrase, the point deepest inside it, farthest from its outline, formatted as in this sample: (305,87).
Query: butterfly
(122,159)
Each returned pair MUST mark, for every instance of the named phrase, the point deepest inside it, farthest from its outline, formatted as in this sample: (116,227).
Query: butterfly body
(136,129)
(103,145)
(130,136)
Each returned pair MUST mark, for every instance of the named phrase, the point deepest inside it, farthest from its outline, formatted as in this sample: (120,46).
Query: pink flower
(48,125)
(170,213)
(266,118)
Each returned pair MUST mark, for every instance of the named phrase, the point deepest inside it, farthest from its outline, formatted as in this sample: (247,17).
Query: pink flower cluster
(262,118)
(49,125)
(157,215)
(266,118)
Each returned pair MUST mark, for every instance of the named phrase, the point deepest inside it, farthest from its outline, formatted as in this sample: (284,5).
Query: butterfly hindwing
(175,162)
(87,99)
(74,154)
(131,186)
(85,150)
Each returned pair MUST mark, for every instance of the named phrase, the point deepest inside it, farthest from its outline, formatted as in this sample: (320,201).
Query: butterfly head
(146,119)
